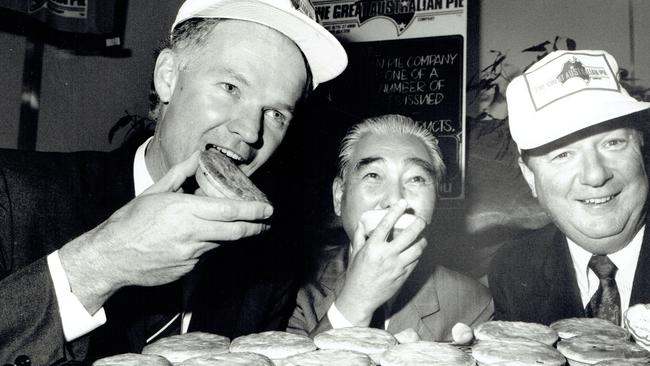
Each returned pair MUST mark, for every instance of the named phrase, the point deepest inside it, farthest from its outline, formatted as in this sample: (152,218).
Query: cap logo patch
(569,74)
(573,69)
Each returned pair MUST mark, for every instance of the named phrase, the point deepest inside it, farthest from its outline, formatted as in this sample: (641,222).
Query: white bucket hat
(564,92)
(296,19)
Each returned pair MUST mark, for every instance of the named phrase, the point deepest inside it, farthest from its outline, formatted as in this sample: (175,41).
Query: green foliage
(487,90)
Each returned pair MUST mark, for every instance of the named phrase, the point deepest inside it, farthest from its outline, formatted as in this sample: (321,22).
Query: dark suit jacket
(47,199)
(532,278)
(431,301)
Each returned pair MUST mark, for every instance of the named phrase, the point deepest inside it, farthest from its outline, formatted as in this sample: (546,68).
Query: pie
(637,321)
(424,353)
(229,359)
(273,344)
(510,363)
(371,219)
(572,327)
(408,335)
(516,352)
(370,341)
(623,362)
(132,359)
(179,348)
(326,357)
(218,176)
(589,349)
(504,330)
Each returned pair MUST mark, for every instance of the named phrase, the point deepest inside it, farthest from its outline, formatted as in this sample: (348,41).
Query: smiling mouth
(236,158)
(599,200)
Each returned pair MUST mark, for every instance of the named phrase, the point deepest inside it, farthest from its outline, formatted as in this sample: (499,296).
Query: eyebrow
(367,161)
(236,75)
(424,164)
(242,79)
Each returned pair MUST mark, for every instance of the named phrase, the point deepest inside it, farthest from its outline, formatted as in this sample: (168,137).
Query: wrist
(87,274)
(354,312)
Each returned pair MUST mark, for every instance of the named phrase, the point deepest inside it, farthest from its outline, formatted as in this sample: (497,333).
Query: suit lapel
(332,278)
(564,301)
(416,301)
(107,184)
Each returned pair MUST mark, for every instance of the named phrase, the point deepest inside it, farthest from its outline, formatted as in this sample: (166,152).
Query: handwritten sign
(419,77)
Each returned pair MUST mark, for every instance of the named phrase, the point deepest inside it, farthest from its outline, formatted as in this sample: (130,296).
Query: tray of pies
(574,341)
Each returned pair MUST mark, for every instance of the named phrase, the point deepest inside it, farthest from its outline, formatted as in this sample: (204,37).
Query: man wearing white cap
(580,139)
(88,240)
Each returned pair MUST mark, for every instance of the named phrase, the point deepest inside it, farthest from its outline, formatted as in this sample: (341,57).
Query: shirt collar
(141,177)
(625,259)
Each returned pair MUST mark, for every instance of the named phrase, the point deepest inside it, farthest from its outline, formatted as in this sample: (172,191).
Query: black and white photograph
(324,182)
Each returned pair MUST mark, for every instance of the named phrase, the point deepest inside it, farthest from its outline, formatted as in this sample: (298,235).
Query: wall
(510,26)
(83,96)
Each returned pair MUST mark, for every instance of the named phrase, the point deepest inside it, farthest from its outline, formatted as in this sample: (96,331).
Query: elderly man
(82,261)
(389,170)
(579,134)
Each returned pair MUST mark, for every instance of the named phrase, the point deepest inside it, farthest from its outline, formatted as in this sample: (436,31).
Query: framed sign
(406,57)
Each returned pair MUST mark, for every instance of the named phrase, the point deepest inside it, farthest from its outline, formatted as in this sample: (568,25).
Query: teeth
(230,154)
(596,201)
(226,152)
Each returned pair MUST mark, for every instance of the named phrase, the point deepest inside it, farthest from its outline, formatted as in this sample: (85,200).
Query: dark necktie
(606,302)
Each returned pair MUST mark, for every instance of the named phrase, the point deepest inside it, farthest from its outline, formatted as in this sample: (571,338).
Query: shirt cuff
(75,319)
(337,320)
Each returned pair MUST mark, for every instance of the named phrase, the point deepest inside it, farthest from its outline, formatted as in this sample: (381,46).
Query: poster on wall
(406,57)
(79,16)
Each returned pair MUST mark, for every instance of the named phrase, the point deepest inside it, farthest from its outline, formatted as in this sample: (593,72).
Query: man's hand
(156,238)
(378,268)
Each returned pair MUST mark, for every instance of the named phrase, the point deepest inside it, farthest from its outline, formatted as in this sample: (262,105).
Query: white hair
(390,124)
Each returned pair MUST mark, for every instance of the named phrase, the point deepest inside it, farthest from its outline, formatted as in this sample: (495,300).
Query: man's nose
(247,126)
(595,171)
(392,194)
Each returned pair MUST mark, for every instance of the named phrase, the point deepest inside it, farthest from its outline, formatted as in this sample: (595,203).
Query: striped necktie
(606,302)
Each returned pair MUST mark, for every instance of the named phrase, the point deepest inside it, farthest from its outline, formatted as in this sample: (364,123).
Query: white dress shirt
(75,319)
(338,320)
(625,260)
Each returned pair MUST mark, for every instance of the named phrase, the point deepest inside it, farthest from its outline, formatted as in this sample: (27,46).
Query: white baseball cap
(296,19)
(564,92)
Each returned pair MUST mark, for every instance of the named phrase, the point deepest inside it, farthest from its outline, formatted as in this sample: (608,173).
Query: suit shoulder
(463,283)
(525,255)
(463,298)
(39,163)
(528,243)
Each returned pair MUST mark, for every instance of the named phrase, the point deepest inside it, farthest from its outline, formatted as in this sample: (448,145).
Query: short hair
(390,124)
(187,37)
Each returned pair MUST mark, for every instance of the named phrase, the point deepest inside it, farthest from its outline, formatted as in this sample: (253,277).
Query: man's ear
(165,74)
(337,195)
(529,176)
